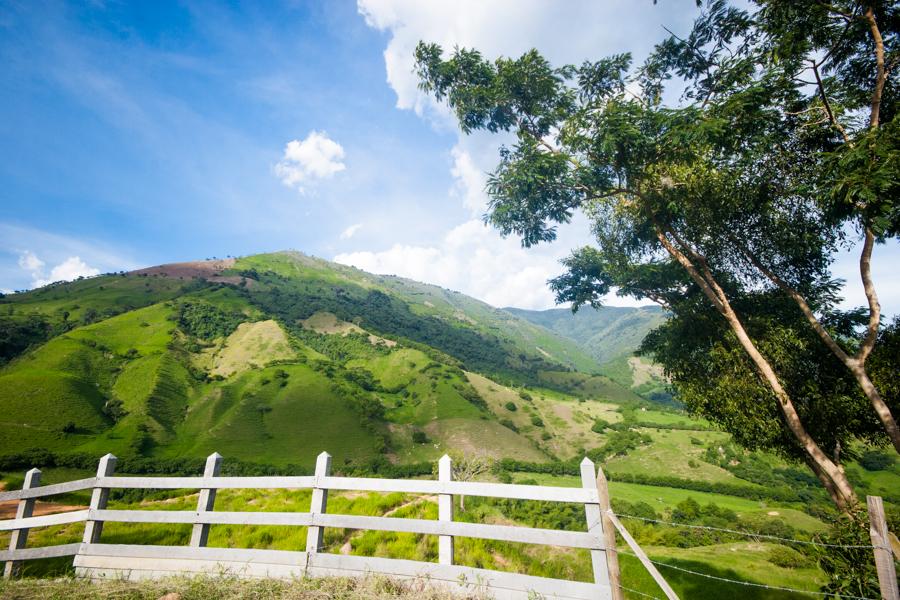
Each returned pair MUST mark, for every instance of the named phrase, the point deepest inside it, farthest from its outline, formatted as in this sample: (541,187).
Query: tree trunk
(829,473)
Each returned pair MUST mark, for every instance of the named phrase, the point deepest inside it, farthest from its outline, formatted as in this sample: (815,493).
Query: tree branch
(827,104)
(865,272)
(880,75)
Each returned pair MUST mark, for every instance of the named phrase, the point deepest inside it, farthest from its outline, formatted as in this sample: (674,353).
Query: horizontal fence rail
(96,560)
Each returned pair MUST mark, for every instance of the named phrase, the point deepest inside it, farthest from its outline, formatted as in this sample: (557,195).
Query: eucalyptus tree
(727,202)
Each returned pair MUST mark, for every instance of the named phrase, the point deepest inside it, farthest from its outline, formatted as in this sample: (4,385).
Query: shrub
(509,425)
(599,426)
(873,460)
(537,421)
(419,437)
(511,406)
(787,558)
(546,436)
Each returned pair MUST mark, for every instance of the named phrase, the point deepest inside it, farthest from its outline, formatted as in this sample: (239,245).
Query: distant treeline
(188,467)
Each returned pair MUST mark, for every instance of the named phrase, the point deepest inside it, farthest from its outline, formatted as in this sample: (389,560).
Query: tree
(728,202)
(468,467)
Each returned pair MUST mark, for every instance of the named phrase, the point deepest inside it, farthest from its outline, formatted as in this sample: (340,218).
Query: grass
(225,587)
(252,345)
(671,453)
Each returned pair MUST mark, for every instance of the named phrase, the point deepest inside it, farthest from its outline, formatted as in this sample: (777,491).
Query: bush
(537,421)
(419,437)
(599,426)
(509,425)
(787,558)
(511,406)
(873,460)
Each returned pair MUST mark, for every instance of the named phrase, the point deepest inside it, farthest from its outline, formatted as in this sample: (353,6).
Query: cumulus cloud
(71,268)
(316,157)
(470,181)
(471,257)
(29,261)
(350,231)
(474,259)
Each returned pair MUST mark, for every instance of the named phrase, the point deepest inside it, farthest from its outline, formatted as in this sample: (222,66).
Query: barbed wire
(628,589)
(750,534)
(748,583)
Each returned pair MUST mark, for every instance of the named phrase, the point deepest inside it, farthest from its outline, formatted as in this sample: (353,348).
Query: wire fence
(743,583)
(749,534)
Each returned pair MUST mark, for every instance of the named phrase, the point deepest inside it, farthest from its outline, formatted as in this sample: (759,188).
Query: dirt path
(8,508)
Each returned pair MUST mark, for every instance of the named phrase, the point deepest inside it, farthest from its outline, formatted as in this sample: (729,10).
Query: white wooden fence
(94,559)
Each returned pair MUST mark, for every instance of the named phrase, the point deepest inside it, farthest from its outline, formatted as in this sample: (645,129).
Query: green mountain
(272,358)
(610,335)
(605,333)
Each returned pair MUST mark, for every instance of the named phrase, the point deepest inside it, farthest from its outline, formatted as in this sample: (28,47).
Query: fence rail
(94,559)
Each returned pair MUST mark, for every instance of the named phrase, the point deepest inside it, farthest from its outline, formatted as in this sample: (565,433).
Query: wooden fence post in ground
(595,527)
(93,529)
(884,561)
(445,511)
(23,511)
(609,536)
(318,504)
(200,533)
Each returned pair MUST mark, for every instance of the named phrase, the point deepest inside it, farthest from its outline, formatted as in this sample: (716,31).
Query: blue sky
(148,132)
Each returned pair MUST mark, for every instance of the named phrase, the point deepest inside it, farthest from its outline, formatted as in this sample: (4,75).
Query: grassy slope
(606,333)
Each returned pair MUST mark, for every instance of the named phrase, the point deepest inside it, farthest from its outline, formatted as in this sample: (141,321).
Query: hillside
(271,358)
(610,335)
(605,333)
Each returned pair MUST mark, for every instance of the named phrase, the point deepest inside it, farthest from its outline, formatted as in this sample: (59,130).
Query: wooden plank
(210,518)
(45,520)
(465,488)
(128,566)
(25,509)
(525,535)
(594,522)
(609,537)
(44,552)
(193,483)
(445,511)
(93,529)
(884,562)
(49,490)
(318,502)
(206,500)
(281,557)
(467,579)
(507,533)
(651,568)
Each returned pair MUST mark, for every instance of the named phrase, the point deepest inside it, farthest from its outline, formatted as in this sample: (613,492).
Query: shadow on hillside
(688,585)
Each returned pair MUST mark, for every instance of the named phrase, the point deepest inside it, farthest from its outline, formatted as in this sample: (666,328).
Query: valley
(271,359)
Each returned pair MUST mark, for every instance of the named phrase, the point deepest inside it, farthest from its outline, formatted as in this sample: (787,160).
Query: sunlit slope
(271,359)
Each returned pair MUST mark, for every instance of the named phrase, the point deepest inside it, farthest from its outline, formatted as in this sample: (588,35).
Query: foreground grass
(226,588)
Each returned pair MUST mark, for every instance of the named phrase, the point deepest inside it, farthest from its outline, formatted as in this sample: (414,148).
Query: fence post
(445,511)
(206,501)
(609,536)
(23,511)
(595,524)
(315,534)
(884,561)
(93,529)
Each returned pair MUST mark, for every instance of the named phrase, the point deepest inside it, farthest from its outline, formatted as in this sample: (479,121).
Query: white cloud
(316,157)
(350,231)
(471,257)
(474,259)
(29,261)
(68,270)
(470,181)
